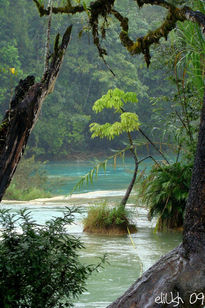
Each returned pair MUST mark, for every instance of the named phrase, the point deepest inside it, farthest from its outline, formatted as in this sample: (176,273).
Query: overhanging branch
(103,8)
(67,9)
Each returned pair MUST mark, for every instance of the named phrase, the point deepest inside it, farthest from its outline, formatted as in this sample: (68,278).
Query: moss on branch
(142,44)
(67,9)
(102,8)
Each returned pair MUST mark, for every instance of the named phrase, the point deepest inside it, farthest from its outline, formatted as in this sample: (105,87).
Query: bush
(103,219)
(39,267)
(29,181)
(165,191)
(14,193)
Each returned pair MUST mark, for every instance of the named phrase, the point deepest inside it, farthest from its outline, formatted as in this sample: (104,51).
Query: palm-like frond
(165,191)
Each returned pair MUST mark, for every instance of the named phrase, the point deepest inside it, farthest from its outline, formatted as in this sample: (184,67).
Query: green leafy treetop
(115,99)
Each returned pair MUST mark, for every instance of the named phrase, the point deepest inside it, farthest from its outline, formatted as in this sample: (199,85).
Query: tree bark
(179,276)
(131,185)
(172,280)
(194,225)
(23,114)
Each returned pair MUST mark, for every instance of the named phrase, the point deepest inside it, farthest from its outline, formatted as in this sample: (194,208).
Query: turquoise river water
(128,258)
(64,176)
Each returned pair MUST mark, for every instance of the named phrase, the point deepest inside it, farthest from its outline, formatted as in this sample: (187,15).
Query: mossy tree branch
(67,9)
(102,8)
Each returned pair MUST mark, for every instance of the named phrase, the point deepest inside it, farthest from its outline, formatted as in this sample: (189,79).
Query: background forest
(63,128)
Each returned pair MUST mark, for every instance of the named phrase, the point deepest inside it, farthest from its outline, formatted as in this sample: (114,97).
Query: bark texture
(172,280)
(24,110)
(194,225)
(131,185)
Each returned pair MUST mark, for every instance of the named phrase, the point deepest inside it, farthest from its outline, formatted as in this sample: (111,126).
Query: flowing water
(127,257)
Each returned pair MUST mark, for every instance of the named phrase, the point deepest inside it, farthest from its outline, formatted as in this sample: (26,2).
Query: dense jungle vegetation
(63,128)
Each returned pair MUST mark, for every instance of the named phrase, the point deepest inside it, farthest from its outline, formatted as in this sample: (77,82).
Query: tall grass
(104,219)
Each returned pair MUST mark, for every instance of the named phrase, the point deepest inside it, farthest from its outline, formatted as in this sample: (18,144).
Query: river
(127,257)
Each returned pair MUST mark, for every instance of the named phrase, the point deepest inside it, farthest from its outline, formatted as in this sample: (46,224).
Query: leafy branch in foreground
(116,99)
(39,266)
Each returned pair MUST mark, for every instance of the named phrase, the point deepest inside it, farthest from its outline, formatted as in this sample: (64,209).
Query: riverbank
(100,194)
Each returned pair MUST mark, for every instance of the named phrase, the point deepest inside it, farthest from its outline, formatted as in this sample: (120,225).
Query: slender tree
(179,275)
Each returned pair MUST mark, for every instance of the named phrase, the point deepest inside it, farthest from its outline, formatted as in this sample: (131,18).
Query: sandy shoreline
(61,198)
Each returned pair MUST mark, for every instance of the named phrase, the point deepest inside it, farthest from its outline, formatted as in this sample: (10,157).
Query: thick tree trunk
(23,114)
(172,280)
(178,278)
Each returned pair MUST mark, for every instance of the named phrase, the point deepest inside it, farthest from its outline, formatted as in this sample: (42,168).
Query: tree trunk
(24,111)
(130,187)
(178,278)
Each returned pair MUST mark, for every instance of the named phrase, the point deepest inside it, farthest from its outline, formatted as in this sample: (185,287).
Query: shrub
(39,267)
(102,219)
(14,193)
(165,191)
(29,181)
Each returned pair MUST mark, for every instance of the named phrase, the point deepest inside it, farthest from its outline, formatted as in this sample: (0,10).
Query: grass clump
(106,220)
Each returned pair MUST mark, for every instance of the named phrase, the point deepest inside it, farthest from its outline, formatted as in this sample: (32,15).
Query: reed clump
(103,219)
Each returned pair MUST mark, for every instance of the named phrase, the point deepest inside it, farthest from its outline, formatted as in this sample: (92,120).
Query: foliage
(184,56)
(165,190)
(39,266)
(102,218)
(192,57)
(31,193)
(83,77)
(115,99)
(29,181)
(129,122)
